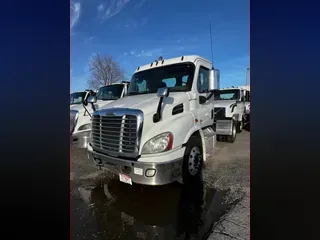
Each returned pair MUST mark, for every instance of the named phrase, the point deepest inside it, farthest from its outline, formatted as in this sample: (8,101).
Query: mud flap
(203,141)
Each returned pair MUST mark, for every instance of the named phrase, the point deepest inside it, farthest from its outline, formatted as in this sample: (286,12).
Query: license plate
(125,178)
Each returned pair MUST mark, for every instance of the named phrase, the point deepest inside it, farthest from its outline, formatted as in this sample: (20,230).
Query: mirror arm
(86,111)
(93,107)
(157,115)
(210,95)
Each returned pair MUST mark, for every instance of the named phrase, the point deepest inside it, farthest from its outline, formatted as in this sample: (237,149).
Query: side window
(169,82)
(203,80)
(185,80)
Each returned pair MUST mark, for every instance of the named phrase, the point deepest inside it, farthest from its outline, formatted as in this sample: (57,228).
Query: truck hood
(85,119)
(99,104)
(223,103)
(148,103)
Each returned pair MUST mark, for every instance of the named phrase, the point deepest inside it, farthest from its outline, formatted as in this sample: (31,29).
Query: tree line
(104,70)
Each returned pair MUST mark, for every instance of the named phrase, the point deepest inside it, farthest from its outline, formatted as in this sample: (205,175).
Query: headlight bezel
(147,147)
(85,127)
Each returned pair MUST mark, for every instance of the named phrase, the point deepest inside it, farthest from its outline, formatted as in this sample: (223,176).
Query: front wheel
(192,160)
(240,126)
(232,138)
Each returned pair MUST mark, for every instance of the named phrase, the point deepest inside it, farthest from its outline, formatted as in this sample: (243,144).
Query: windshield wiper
(138,93)
(107,99)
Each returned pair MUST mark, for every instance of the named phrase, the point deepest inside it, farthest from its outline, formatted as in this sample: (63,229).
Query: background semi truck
(78,98)
(162,130)
(80,116)
(230,107)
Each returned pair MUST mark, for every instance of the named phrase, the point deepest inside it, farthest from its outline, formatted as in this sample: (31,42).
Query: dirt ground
(226,215)
(229,169)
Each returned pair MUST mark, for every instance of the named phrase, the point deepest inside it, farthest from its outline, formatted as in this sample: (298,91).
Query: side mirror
(84,102)
(163,92)
(214,79)
(202,99)
(211,80)
(92,99)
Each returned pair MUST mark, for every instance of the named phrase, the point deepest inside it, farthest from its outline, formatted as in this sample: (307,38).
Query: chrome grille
(116,134)
(220,113)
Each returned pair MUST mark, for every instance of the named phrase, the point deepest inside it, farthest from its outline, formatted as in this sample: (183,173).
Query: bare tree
(104,71)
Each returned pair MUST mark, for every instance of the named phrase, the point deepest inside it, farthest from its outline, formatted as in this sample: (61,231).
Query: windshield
(110,92)
(77,98)
(177,77)
(231,94)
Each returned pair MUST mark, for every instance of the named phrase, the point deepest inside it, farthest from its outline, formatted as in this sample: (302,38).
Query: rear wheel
(192,160)
(232,137)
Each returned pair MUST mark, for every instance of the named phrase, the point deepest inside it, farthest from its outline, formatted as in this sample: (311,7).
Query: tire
(240,126)
(232,138)
(193,160)
(219,138)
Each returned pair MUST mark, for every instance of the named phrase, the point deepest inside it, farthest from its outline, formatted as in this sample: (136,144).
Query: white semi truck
(78,98)
(80,116)
(163,129)
(231,114)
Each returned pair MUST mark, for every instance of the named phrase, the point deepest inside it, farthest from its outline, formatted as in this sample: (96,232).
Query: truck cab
(162,130)
(246,90)
(77,98)
(80,116)
(230,112)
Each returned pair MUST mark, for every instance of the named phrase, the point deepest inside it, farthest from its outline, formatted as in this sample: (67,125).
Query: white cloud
(112,8)
(88,40)
(133,24)
(75,13)
(100,7)
(140,3)
(150,53)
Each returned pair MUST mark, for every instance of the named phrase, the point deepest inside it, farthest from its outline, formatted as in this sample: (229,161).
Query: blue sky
(136,32)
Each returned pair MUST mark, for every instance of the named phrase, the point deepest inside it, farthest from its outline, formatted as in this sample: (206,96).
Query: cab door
(241,104)
(205,110)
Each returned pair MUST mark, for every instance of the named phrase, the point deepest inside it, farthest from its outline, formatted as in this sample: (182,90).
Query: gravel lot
(226,180)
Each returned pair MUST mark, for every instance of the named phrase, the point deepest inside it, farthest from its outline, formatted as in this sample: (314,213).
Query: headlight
(158,144)
(85,127)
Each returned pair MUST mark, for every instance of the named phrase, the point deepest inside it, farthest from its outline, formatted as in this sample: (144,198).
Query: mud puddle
(121,211)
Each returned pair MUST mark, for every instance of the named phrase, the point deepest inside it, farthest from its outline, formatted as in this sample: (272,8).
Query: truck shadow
(247,127)
(119,211)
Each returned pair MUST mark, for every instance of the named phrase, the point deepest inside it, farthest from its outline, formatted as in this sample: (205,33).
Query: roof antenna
(247,75)
(211,44)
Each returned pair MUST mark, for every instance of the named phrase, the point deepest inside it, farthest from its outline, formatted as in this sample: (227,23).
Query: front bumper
(164,172)
(81,139)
